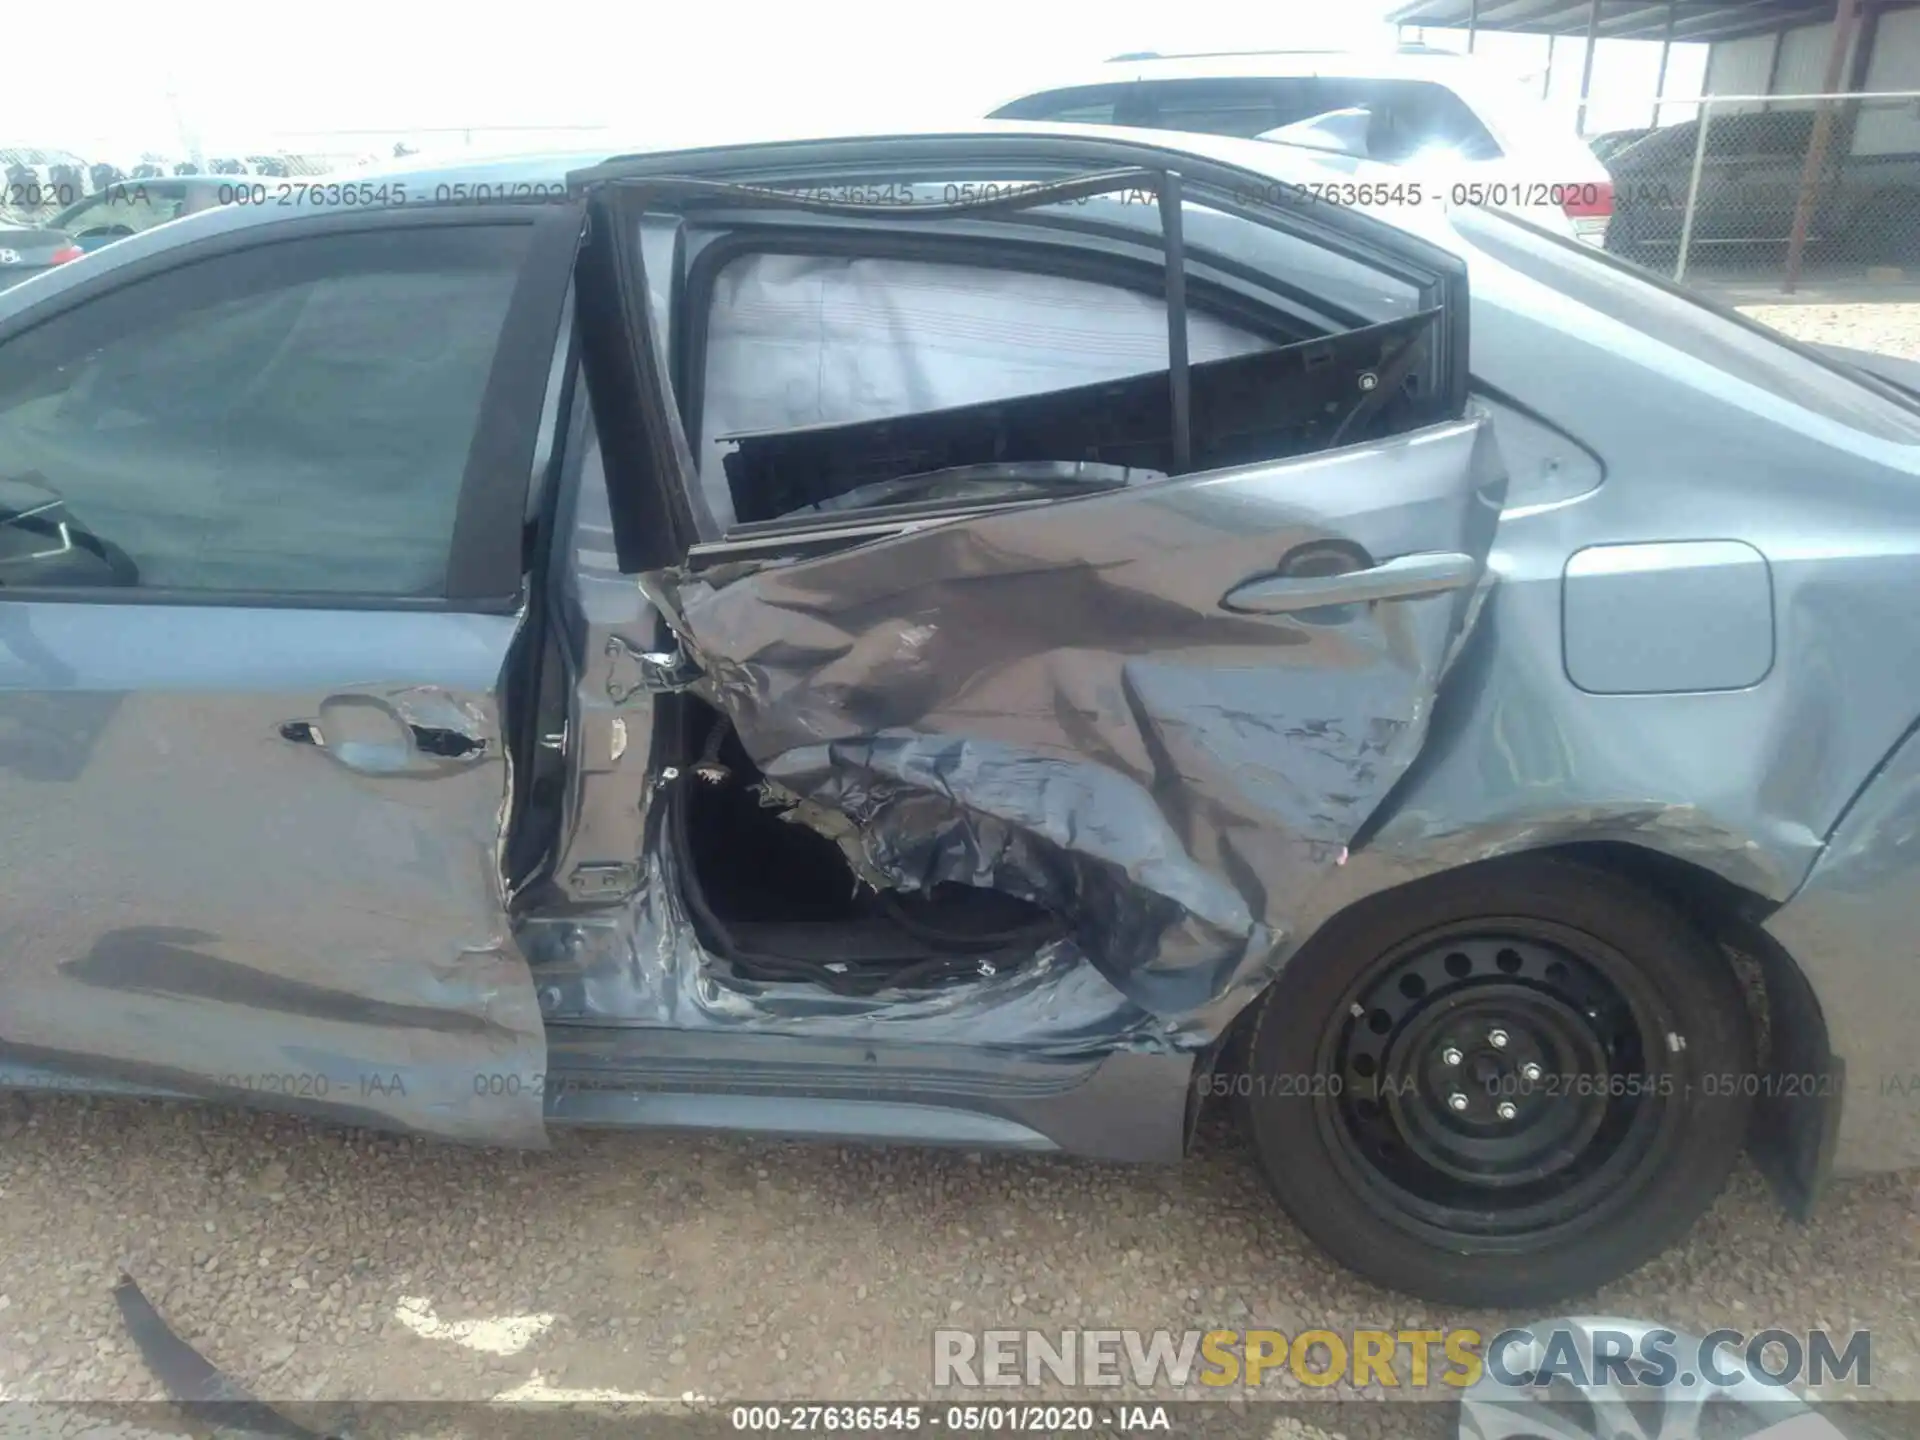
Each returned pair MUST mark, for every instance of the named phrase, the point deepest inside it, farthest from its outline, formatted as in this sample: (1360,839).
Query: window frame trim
(628,366)
(1436,274)
(487,540)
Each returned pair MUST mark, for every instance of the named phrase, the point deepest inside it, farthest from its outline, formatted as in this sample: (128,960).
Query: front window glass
(292,419)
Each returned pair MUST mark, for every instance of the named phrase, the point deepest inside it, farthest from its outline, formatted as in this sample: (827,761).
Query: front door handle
(1406,578)
(414,732)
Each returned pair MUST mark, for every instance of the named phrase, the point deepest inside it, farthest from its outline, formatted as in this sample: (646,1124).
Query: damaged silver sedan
(990,639)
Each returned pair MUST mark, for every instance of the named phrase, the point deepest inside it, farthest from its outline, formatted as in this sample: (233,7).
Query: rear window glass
(1714,336)
(1407,116)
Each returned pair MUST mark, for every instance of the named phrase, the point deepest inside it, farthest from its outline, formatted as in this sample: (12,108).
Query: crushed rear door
(1163,703)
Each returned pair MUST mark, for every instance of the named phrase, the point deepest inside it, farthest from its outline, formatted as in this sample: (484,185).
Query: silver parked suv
(1469,131)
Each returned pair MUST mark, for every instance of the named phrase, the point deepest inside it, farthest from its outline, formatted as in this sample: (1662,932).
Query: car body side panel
(190,900)
(1854,929)
(1747,784)
(1894,369)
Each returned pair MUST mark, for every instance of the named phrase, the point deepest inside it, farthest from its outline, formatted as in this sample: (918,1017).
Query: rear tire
(1503,1085)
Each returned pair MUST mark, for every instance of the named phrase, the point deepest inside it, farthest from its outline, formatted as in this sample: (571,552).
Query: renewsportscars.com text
(1395,1359)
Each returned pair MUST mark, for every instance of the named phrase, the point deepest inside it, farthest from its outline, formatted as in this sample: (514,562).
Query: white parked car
(1465,130)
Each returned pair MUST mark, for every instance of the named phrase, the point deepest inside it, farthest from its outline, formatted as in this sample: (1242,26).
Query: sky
(245,77)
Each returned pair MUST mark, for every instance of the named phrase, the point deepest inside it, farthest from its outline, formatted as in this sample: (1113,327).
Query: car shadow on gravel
(311,1261)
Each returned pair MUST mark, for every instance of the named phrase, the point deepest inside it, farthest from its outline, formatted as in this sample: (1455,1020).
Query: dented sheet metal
(1153,875)
(256,857)
(641,963)
(1863,899)
(1057,703)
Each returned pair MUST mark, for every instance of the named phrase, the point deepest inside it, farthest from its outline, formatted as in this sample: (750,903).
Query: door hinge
(633,672)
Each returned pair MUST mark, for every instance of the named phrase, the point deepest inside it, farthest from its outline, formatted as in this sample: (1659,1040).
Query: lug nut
(1530,1070)
(1497,1039)
(1456,1101)
(1450,1055)
(1505,1110)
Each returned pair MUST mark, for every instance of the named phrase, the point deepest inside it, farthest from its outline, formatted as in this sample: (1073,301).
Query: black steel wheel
(1522,1061)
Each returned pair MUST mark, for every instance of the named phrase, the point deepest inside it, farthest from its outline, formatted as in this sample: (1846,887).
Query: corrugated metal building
(1758,47)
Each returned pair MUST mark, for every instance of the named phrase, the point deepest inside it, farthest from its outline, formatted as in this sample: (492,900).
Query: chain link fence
(1758,187)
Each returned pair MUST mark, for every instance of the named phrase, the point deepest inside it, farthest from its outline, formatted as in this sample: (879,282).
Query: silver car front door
(261,507)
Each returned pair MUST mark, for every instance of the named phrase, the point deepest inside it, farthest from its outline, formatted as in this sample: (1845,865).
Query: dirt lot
(322,1263)
(1890,329)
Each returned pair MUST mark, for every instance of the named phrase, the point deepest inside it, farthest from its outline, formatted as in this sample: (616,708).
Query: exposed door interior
(847,386)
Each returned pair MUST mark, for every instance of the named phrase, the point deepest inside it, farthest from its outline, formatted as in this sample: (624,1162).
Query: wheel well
(1796,1115)
(1795,1120)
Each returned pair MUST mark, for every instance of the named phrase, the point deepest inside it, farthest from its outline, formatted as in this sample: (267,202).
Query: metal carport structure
(1668,21)
(1854,29)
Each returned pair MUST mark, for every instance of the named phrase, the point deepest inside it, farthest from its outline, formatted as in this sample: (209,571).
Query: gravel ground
(325,1264)
(1890,329)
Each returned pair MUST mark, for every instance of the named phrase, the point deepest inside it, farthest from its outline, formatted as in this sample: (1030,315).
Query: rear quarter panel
(1747,781)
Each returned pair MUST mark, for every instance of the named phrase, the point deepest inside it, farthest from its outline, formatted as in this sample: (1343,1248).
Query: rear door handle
(1405,578)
